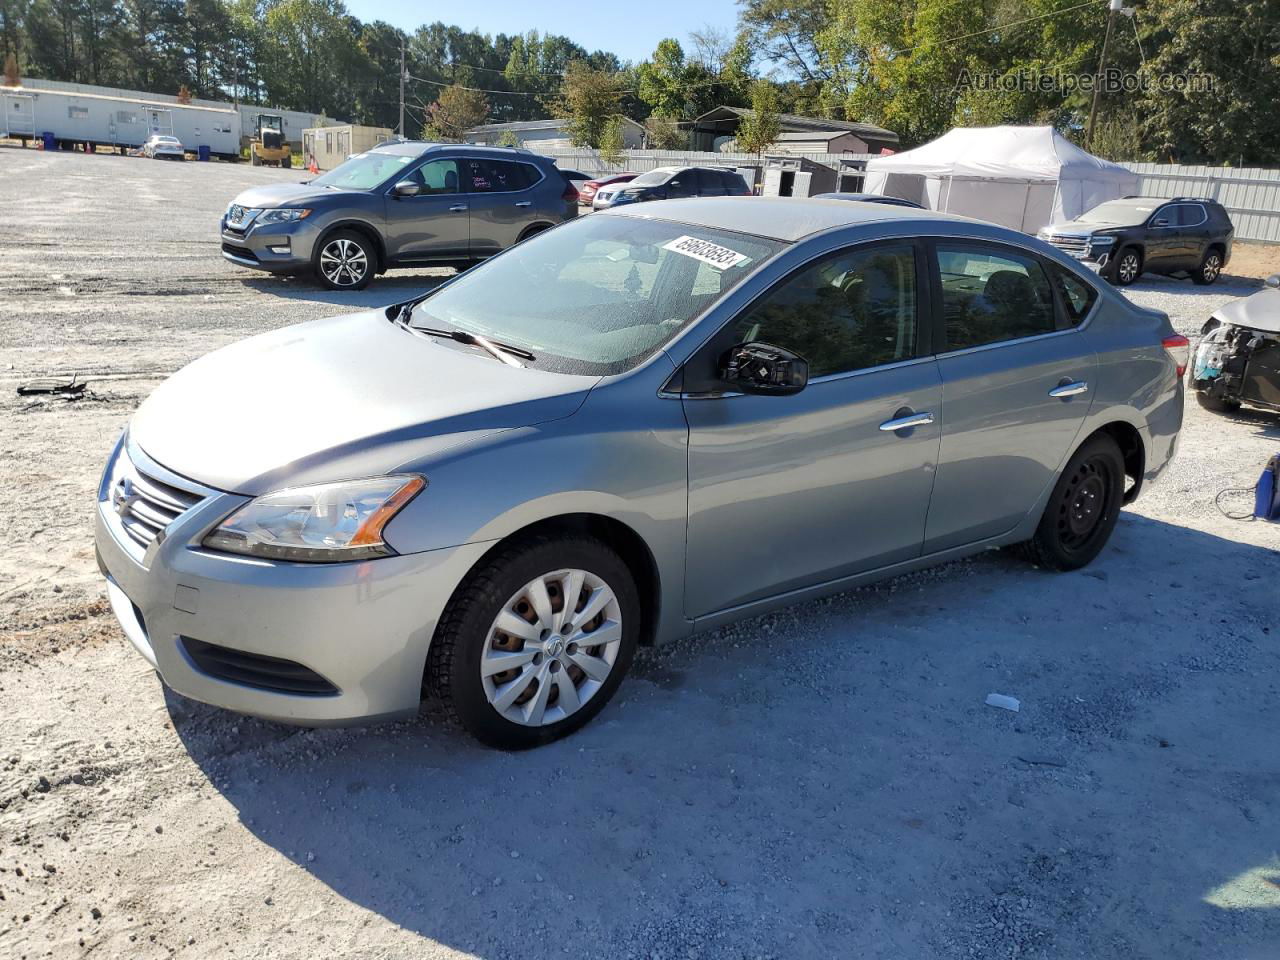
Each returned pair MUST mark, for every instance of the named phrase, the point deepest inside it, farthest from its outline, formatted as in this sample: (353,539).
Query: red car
(587,192)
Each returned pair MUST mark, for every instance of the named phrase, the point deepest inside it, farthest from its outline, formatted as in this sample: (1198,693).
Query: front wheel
(344,261)
(1083,508)
(1127,268)
(534,644)
(1209,270)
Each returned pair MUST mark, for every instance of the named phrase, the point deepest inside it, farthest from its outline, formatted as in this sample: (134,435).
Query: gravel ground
(821,782)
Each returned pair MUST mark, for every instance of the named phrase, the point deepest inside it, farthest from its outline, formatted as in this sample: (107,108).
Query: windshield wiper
(499,351)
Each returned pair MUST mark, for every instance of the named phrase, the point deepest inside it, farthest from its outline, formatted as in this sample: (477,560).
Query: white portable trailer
(121,122)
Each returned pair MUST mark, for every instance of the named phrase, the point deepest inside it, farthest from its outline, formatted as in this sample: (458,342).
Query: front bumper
(363,627)
(275,247)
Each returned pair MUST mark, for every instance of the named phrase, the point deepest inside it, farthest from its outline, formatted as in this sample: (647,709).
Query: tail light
(1179,350)
(570,192)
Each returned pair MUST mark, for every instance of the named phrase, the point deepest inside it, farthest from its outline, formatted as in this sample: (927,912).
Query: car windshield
(364,171)
(653,177)
(598,294)
(1125,213)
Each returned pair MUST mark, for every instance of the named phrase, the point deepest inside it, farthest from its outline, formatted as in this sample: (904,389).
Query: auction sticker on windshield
(722,258)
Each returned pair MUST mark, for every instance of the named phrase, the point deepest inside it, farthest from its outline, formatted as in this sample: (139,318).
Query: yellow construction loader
(269,145)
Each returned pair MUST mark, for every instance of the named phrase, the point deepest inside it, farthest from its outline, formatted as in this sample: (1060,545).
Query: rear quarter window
(1078,296)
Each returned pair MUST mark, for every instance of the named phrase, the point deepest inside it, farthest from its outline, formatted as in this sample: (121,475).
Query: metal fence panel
(1251,195)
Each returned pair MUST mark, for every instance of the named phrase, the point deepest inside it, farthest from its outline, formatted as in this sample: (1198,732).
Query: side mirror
(762,368)
(1273,281)
(1162,222)
(406,188)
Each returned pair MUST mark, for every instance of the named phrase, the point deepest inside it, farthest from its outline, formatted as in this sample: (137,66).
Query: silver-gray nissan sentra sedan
(636,425)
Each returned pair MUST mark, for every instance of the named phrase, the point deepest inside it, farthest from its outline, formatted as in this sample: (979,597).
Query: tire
(494,709)
(344,260)
(531,232)
(1216,404)
(1210,268)
(254,159)
(1083,508)
(1127,267)
(286,162)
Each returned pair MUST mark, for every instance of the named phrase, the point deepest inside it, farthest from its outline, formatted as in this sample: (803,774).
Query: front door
(434,224)
(1163,241)
(19,115)
(1016,375)
(788,492)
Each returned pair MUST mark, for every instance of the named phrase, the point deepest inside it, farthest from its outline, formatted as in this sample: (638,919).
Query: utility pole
(400,129)
(1114,8)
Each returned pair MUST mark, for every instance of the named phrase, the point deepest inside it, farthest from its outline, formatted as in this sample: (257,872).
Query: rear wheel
(1127,268)
(535,643)
(345,261)
(1083,509)
(1210,268)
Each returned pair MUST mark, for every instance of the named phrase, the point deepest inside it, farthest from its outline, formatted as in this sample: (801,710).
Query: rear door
(1193,233)
(502,201)
(434,224)
(709,183)
(1016,375)
(789,492)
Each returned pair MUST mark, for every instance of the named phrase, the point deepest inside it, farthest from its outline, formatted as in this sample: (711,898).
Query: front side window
(988,297)
(435,178)
(598,294)
(849,312)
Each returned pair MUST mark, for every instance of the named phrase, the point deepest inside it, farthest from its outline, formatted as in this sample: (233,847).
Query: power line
(996,28)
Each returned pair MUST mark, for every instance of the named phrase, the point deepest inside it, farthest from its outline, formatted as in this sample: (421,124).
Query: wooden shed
(330,146)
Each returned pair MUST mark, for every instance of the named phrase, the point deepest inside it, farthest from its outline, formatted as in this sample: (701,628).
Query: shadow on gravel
(385,290)
(826,781)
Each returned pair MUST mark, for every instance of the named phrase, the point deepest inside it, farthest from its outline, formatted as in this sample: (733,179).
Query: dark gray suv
(401,204)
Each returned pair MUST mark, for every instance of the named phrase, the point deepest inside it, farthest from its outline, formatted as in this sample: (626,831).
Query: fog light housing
(280,247)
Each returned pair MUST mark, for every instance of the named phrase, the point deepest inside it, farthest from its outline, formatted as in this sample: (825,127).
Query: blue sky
(629,29)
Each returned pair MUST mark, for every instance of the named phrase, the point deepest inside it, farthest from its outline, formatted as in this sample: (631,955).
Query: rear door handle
(524,203)
(458,208)
(1071,389)
(907,422)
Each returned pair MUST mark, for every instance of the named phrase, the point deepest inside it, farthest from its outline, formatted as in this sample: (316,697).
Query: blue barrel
(50,141)
(204,152)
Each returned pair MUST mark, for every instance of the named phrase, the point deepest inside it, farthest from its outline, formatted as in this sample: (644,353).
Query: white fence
(1250,194)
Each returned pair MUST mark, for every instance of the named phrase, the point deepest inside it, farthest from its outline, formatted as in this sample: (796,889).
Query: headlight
(324,523)
(283,215)
(1101,241)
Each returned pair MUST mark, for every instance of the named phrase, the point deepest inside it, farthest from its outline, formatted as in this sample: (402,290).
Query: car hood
(1079,228)
(280,195)
(1258,312)
(349,396)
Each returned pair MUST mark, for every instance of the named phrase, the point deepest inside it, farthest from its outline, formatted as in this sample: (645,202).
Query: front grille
(256,670)
(1069,244)
(144,506)
(243,252)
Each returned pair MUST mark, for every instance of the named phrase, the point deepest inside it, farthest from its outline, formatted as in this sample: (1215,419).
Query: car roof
(780,218)
(417,148)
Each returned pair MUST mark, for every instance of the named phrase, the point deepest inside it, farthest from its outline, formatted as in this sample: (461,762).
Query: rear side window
(990,296)
(733,183)
(1078,297)
(709,183)
(851,311)
(496,176)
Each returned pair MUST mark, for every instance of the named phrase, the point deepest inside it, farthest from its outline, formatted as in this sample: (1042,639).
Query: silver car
(637,425)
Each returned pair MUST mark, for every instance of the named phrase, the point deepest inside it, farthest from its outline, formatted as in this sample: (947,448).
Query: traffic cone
(313,167)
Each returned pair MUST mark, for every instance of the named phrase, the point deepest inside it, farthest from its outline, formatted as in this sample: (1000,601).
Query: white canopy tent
(1019,177)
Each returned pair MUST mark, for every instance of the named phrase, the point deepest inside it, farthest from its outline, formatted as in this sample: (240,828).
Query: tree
(589,99)
(457,110)
(11,78)
(612,142)
(760,128)
(184,94)
(788,32)
(507,138)
(664,133)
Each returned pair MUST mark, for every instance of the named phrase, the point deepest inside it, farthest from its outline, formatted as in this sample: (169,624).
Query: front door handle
(1069,389)
(458,208)
(524,203)
(907,422)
